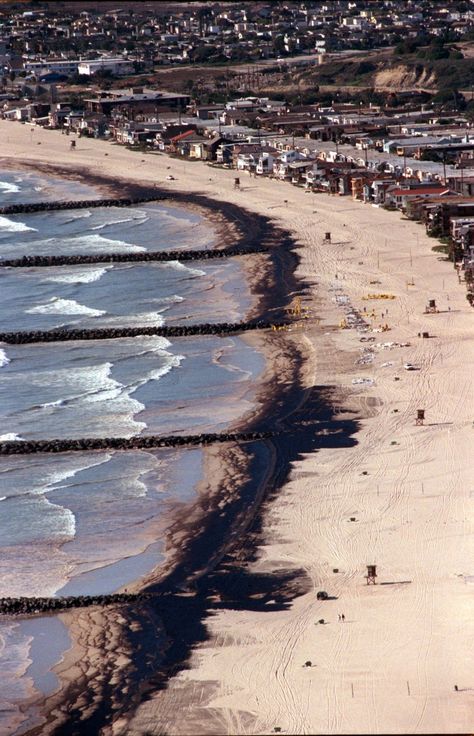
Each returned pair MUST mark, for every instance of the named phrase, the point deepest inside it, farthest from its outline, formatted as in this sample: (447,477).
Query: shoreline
(181,569)
(406,487)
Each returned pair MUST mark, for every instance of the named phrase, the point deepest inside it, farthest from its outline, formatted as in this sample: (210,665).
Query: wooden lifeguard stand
(371,574)
(431,307)
(420,417)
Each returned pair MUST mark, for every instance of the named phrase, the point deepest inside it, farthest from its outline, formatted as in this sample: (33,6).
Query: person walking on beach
(343,618)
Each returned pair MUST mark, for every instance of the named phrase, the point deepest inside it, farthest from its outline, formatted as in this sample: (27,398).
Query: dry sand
(392,665)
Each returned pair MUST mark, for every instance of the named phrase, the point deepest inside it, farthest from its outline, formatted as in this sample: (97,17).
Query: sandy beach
(392,665)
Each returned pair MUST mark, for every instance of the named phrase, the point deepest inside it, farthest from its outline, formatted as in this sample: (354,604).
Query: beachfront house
(299,169)
(281,167)
(246,156)
(266,161)
(400,196)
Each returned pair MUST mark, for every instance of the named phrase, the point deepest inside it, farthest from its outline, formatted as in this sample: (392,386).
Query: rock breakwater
(113,333)
(143,256)
(27,606)
(30,447)
(78,204)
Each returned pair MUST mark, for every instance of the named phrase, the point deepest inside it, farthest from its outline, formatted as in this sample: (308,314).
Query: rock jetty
(77,204)
(25,606)
(112,333)
(140,442)
(143,256)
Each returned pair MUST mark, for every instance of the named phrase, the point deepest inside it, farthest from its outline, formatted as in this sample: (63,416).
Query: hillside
(383,71)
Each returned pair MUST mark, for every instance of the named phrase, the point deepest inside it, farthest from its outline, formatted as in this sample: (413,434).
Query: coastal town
(409,150)
(237,261)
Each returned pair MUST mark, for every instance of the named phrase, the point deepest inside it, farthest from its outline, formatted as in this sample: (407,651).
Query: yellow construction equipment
(295,308)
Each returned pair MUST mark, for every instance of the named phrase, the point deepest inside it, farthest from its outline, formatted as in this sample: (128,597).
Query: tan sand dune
(391,667)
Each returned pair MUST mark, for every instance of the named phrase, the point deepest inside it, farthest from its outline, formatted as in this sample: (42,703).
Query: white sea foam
(144,318)
(56,478)
(140,217)
(178,266)
(86,386)
(80,215)
(154,344)
(79,277)
(174,299)
(8,187)
(3,498)
(4,359)
(11,437)
(10,226)
(174,362)
(56,305)
(93,243)
(52,404)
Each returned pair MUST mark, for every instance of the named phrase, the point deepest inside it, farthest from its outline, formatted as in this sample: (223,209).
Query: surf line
(113,333)
(140,442)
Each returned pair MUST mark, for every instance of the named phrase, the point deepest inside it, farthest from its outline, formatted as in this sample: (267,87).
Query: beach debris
(365,359)
(321,595)
(335,569)
(387,364)
(363,381)
(365,472)
(378,296)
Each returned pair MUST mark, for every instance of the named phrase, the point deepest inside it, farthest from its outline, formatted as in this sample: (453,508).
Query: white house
(118,67)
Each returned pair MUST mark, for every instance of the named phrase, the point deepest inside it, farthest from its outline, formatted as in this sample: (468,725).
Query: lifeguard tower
(420,418)
(371,574)
(431,307)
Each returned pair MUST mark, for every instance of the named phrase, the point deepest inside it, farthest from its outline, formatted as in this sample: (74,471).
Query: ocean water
(93,522)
